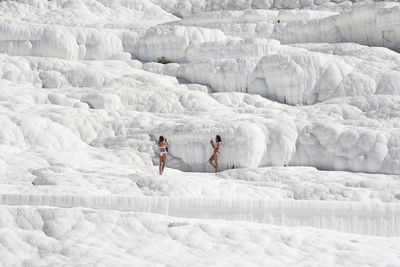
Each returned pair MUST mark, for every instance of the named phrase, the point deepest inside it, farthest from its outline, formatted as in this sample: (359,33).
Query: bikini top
(163,147)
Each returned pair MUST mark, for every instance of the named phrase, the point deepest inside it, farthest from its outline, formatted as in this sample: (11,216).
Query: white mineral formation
(304,94)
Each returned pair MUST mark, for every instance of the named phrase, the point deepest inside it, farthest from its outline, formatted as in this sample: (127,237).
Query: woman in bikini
(163,147)
(215,154)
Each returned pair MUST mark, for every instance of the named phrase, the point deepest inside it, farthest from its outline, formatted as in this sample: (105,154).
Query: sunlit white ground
(306,97)
(54,236)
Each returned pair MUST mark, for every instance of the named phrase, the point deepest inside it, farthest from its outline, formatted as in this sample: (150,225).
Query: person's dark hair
(161,139)
(218,138)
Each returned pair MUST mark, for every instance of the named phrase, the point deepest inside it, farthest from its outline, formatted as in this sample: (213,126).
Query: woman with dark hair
(215,154)
(163,147)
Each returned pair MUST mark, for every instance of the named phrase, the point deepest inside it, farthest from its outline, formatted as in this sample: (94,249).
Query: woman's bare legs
(211,160)
(164,159)
(214,158)
(161,163)
(216,162)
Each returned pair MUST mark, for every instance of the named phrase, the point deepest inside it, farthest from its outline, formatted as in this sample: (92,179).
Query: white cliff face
(57,41)
(192,7)
(298,76)
(373,24)
(376,25)
(251,23)
(306,98)
(172,41)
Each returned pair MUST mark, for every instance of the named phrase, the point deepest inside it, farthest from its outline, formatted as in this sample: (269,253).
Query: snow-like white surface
(311,85)
(63,104)
(361,218)
(373,24)
(185,8)
(376,25)
(53,236)
(251,22)
(312,73)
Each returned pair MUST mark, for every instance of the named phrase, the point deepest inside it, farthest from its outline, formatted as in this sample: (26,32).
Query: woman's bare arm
(212,143)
